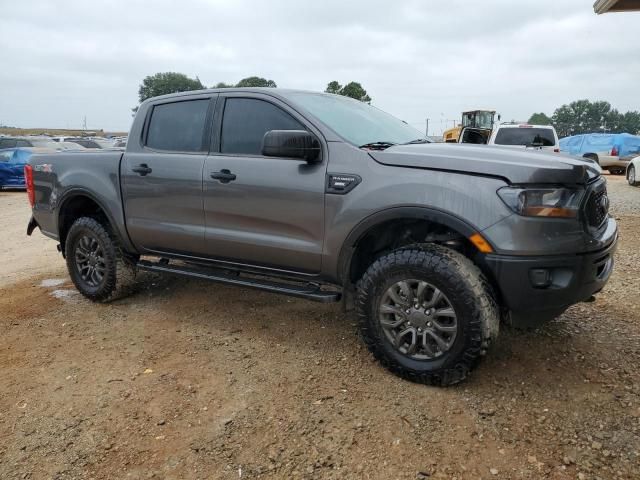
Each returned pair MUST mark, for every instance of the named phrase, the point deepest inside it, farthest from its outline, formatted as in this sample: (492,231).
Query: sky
(66,60)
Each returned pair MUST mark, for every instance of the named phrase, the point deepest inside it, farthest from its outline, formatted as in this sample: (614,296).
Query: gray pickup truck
(327,198)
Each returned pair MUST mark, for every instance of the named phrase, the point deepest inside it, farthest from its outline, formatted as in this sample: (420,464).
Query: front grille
(596,208)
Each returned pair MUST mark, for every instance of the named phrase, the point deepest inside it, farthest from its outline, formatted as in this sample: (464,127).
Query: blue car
(612,151)
(12,162)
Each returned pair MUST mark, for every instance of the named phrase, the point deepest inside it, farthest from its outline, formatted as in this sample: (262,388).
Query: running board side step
(308,291)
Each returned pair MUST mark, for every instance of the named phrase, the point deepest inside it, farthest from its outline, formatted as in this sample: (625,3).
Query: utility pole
(84,123)
(426,133)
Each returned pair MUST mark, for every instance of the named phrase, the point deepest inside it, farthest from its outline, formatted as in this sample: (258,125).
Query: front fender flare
(396,213)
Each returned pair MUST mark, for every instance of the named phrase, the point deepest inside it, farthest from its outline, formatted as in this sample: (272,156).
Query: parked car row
(62,143)
(36,142)
(16,151)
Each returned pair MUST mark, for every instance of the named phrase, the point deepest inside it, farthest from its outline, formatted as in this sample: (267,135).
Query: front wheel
(96,262)
(631,176)
(426,313)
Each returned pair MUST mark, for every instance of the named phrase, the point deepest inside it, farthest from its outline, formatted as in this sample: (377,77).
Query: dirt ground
(193,380)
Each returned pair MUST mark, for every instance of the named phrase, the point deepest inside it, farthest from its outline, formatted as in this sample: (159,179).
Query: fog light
(540,277)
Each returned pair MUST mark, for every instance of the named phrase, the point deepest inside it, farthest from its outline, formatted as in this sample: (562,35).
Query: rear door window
(245,122)
(178,126)
(525,136)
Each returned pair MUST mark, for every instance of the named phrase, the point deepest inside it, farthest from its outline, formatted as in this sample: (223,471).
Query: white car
(633,170)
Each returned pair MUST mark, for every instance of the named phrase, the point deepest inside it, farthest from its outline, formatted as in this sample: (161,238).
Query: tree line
(164,83)
(584,116)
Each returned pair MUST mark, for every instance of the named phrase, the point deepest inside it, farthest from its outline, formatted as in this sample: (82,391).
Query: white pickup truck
(517,135)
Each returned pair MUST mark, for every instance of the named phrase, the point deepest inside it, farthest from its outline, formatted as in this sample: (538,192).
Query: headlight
(542,202)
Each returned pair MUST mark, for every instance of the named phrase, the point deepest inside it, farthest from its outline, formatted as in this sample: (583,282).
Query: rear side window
(7,143)
(526,136)
(23,143)
(245,122)
(178,126)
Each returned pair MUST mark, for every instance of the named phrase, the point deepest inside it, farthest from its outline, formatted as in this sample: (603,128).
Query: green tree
(351,89)
(256,82)
(630,123)
(333,87)
(164,83)
(222,85)
(167,82)
(539,119)
(583,116)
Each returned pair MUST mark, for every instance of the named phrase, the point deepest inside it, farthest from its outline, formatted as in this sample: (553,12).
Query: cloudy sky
(417,59)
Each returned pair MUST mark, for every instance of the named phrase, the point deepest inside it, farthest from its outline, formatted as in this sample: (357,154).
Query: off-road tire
(120,272)
(467,290)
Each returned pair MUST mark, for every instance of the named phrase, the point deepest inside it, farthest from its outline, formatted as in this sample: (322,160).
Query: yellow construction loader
(475,119)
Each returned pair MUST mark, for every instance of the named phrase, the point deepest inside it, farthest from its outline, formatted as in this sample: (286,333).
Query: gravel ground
(188,380)
(625,200)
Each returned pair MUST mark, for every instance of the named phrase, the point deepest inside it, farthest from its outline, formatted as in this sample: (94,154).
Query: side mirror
(291,144)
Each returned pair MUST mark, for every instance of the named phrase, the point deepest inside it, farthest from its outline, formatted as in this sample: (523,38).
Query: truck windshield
(355,121)
(526,136)
(478,119)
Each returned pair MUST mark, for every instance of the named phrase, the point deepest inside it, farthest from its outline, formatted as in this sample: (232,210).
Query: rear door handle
(142,169)
(224,175)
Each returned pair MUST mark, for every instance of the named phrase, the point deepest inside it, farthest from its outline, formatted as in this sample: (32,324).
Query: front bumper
(537,289)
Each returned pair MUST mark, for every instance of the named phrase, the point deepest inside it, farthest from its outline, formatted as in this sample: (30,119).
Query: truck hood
(516,166)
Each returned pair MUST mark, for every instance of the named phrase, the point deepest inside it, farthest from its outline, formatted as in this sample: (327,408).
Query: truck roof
(268,90)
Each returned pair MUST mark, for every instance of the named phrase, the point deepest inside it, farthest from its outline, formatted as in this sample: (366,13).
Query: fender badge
(43,167)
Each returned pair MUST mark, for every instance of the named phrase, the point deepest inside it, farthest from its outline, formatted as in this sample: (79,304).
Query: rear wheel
(96,262)
(631,176)
(426,313)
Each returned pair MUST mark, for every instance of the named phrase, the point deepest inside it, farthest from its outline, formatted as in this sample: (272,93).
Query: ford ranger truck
(327,198)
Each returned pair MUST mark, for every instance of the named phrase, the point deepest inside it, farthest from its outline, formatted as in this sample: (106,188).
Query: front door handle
(142,169)
(224,175)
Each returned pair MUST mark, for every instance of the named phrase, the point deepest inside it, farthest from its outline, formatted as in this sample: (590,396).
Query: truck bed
(59,176)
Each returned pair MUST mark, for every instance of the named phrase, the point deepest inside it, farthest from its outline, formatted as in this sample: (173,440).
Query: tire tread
(483,325)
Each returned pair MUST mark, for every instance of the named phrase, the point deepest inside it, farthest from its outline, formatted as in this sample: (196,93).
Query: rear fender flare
(81,192)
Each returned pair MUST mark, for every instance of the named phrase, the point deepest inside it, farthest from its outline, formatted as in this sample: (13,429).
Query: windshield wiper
(417,140)
(377,145)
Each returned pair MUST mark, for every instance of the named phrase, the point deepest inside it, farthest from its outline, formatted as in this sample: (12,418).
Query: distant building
(606,6)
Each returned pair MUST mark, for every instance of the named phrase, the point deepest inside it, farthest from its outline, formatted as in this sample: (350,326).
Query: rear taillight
(28,180)
(614,152)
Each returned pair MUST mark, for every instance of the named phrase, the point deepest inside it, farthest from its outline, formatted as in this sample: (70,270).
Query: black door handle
(224,175)
(142,169)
